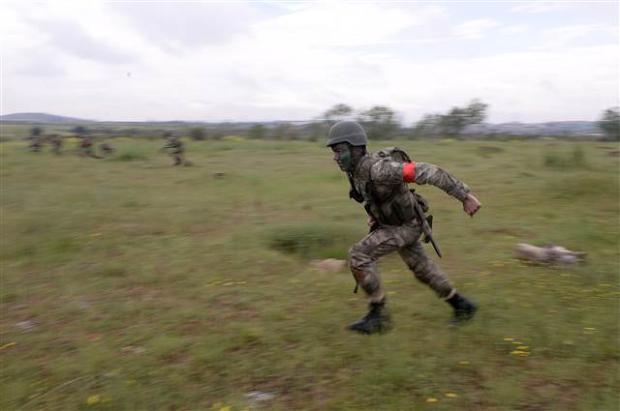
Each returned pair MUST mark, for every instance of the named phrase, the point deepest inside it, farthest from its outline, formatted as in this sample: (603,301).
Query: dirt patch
(562,394)
(506,231)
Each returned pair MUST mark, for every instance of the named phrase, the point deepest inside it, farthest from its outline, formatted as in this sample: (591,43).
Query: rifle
(427,226)
(357,196)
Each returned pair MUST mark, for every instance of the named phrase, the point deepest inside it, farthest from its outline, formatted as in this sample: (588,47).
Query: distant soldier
(106,149)
(175,149)
(85,147)
(56,142)
(36,140)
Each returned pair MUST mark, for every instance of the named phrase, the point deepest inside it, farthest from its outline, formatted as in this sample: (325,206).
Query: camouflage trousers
(178,158)
(405,239)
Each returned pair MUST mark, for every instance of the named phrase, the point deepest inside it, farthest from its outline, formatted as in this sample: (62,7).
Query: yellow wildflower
(431,399)
(520,353)
(522,347)
(509,339)
(464,362)
(93,399)
(451,395)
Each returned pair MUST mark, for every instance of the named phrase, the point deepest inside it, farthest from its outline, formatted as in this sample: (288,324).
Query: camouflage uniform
(36,142)
(36,139)
(86,146)
(56,142)
(389,201)
(106,149)
(380,182)
(176,151)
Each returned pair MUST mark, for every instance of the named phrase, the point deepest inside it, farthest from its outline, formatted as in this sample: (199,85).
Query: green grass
(134,285)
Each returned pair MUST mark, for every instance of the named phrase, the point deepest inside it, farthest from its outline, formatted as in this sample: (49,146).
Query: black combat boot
(377,320)
(464,310)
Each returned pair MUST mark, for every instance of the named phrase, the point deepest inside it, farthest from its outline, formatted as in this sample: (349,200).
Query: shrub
(130,156)
(488,151)
(313,240)
(577,158)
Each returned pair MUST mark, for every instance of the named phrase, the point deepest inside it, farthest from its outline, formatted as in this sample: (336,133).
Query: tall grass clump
(586,187)
(313,240)
(131,156)
(488,151)
(563,161)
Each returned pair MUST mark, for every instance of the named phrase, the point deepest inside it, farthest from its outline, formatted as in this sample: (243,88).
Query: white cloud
(559,37)
(339,24)
(515,29)
(539,7)
(292,61)
(184,26)
(571,84)
(474,29)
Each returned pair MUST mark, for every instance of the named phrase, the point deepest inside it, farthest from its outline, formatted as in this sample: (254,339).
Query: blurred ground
(129,284)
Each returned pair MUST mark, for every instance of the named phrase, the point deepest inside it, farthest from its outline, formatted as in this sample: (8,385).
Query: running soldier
(56,142)
(380,183)
(36,139)
(106,149)
(85,148)
(175,148)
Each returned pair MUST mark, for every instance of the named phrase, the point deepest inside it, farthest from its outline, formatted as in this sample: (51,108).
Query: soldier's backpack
(401,156)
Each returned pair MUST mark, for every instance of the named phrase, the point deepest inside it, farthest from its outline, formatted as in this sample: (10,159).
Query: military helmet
(347,132)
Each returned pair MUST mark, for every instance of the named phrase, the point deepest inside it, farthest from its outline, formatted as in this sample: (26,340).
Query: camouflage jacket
(385,192)
(175,145)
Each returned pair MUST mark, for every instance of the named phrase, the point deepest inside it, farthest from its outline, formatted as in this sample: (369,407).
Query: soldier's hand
(471,205)
(371,222)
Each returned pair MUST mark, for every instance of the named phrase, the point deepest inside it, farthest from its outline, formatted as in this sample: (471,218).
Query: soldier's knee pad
(357,257)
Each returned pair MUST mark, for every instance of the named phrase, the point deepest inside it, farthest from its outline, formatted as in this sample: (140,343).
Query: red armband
(409,172)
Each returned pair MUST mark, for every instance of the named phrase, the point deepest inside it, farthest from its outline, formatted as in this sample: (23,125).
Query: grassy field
(128,284)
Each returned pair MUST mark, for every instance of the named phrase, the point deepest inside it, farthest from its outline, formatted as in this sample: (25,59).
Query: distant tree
(292,133)
(36,131)
(257,132)
(428,126)
(197,133)
(610,124)
(380,122)
(452,123)
(317,130)
(337,113)
(79,130)
(284,131)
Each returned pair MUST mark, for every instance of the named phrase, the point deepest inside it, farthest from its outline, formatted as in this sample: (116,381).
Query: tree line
(380,122)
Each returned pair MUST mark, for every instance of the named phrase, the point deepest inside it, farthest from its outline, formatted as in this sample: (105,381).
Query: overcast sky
(254,61)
